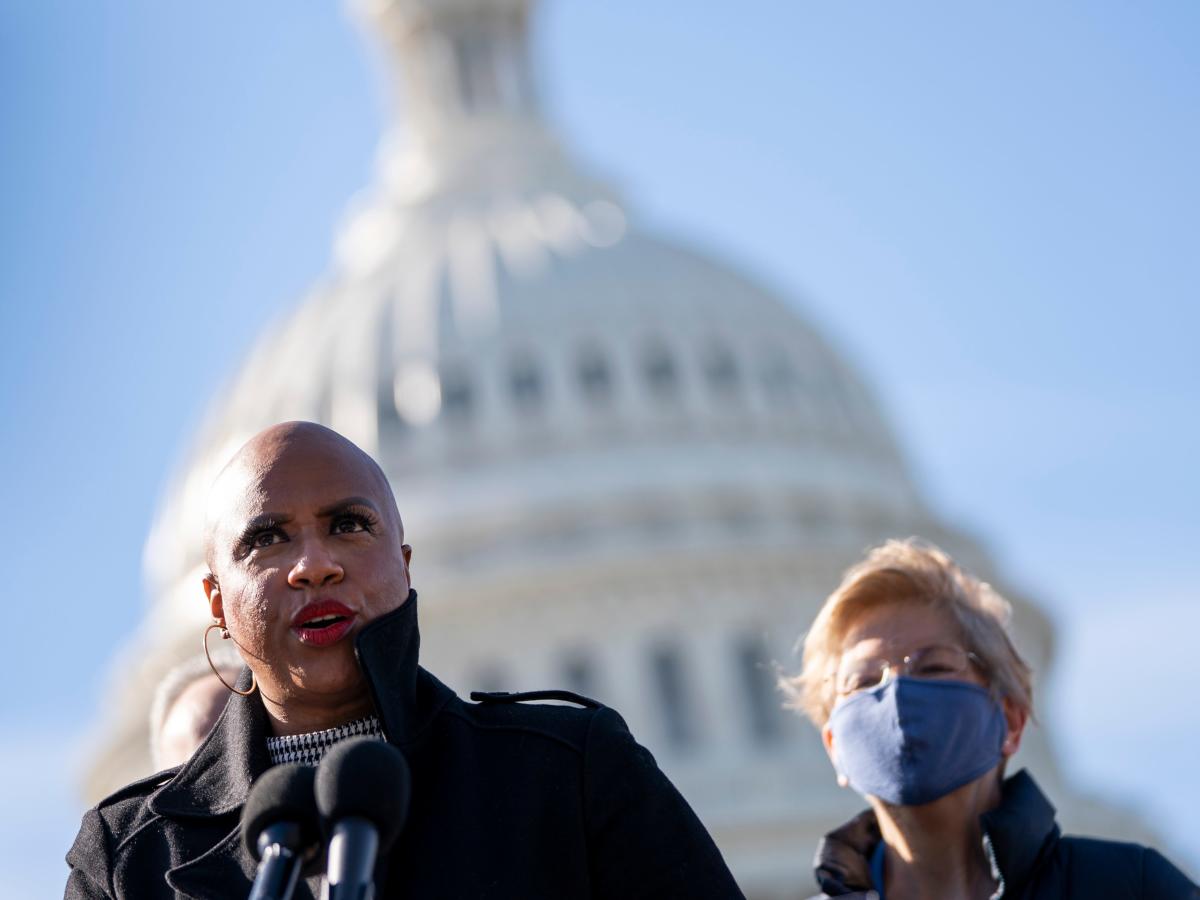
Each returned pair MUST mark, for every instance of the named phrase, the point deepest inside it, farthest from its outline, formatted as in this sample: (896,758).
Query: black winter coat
(1033,858)
(509,800)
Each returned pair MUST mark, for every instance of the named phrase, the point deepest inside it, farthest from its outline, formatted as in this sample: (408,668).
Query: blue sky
(991,209)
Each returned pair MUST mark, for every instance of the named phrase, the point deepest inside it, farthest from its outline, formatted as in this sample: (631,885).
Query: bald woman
(309,577)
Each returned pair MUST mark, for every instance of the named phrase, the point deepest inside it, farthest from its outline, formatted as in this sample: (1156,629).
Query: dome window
(780,380)
(671,685)
(662,376)
(763,714)
(579,674)
(525,385)
(458,398)
(721,371)
(490,676)
(595,377)
(416,395)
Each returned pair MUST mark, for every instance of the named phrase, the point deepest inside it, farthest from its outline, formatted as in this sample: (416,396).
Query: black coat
(1035,861)
(509,800)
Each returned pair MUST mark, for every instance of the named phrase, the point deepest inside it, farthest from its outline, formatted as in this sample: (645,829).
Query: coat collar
(843,861)
(406,697)
(1019,829)
(214,782)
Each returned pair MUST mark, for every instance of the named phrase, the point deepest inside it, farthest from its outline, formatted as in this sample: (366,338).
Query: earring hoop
(224,634)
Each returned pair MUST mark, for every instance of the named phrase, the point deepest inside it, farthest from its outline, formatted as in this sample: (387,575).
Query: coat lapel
(218,776)
(1019,828)
(212,786)
(220,872)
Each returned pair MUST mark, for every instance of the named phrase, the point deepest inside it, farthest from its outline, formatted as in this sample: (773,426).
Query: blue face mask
(913,740)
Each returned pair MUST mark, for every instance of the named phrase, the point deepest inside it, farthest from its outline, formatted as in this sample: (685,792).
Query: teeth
(321,620)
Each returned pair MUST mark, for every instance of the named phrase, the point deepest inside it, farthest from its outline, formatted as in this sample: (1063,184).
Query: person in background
(187,703)
(921,698)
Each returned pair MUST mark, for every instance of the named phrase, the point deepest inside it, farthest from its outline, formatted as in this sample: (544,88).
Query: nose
(315,566)
(892,670)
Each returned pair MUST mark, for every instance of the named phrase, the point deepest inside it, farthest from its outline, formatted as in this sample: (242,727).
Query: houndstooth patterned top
(308,748)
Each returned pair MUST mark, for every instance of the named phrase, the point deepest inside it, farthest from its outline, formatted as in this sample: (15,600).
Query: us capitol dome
(625,467)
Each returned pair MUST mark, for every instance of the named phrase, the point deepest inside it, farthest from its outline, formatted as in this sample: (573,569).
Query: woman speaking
(309,578)
(921,698)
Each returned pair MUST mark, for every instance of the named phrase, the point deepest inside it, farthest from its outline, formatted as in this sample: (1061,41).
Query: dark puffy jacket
(509,800)
(1034,860)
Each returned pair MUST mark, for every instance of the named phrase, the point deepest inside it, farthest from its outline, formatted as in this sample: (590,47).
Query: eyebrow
(259,522)
(341,506)
(264,519)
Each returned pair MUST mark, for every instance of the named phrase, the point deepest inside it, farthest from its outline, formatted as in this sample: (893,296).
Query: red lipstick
(322,623)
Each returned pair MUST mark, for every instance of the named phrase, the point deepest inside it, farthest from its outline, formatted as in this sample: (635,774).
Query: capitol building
(625,467)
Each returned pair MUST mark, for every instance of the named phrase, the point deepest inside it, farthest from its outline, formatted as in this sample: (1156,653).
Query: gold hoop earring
(224,636)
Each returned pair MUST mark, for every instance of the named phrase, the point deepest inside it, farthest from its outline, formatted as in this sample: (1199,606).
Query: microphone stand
(353,847)
(279,869)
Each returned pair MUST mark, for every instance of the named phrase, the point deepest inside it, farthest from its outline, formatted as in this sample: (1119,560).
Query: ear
(213,592)
(827,740)
(406,552)
(1015,718)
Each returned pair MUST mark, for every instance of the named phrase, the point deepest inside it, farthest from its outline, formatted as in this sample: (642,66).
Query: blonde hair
(908,571)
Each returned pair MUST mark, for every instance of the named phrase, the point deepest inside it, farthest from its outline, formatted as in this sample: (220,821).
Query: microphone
(362,791)
(281,828)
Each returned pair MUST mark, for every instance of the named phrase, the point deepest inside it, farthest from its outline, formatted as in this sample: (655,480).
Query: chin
(332,677)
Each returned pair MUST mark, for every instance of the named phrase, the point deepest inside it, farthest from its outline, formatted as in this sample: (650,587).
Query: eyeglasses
(938,662)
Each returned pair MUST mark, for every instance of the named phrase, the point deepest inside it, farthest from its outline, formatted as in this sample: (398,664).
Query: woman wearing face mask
(921,698)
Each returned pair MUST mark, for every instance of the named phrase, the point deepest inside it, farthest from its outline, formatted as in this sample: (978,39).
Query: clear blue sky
(993,209)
